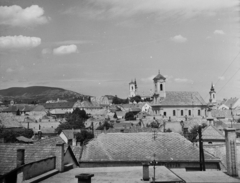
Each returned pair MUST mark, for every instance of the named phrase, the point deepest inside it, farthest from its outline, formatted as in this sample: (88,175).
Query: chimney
(74,140)
(105,130)
(20,157)
(39,135)
(145,172)
(93,129)
(84,178)
(60,157)
(231,153)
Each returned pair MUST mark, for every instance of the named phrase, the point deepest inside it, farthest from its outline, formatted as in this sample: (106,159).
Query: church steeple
(159,87)
(212,94)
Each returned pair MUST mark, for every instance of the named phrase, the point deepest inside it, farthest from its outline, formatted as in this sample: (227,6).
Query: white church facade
(176,103)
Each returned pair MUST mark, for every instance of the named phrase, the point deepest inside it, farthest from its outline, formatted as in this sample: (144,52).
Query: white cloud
(9,70)
(161,8)
(179,39)
(221,77)
(219,32)
(62,50)
(19,42)
(183,80)
(17,16)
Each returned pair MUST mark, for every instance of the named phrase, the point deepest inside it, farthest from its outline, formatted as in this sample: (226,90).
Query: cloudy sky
(97,47)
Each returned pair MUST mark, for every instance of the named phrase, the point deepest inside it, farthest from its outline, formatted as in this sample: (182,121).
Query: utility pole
(201,152)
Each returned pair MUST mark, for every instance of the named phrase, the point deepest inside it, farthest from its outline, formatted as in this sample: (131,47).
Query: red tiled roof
(141,146)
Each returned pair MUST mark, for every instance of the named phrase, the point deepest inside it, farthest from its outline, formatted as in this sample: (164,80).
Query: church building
(176,103)
(133,88)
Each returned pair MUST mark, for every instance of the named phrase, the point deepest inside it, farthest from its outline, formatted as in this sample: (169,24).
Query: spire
(135,83)
(212,87)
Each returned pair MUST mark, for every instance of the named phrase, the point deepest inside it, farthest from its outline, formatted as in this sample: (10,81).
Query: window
(174,113)
(132,87)
(161,87)
(165,113)
(189,112)
(213,95)
(181,112)
(199,112)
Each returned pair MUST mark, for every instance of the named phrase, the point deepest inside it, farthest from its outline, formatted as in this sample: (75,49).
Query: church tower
(133,88)
(212,93)
(159,88)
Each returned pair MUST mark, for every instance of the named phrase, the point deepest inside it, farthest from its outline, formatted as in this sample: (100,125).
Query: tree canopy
(74,120)
(117,100)
(10,135)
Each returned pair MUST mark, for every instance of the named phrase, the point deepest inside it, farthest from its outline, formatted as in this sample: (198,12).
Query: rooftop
(174,98)
(210,132)
(141,147)
(114,175)
(134,174)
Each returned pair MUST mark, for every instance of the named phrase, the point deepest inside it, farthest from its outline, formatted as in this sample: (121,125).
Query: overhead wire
(225,72)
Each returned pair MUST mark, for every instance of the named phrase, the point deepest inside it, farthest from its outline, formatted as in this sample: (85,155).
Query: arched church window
(181,112)
(132,87)
(161,87)
(213,96)
(174,113)
(189,112)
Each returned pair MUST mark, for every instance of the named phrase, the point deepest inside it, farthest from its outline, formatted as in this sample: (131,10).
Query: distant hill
(38,94)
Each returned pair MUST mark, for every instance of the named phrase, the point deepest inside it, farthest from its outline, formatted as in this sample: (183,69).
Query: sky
(97,47)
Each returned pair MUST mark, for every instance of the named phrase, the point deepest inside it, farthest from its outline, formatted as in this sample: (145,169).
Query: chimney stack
(60,157)
(20,157)
(145,172)
(231,153)
(74,140)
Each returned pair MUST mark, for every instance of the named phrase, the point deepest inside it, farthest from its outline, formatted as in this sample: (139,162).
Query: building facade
(176,103)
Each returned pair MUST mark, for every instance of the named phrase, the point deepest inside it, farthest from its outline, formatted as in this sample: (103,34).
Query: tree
(105,125)
(194,132)
(129,116)
(115,115)
(137,99)
(84,136)
(10,135)
(74,120)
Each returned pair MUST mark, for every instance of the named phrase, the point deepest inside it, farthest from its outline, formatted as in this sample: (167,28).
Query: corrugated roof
(141,146)
(182,98)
